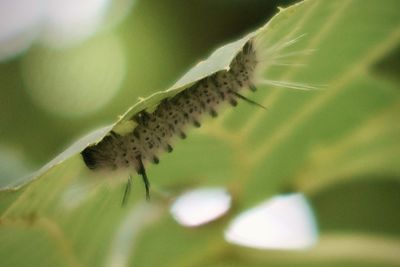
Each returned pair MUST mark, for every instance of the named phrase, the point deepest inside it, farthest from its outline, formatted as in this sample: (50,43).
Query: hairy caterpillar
(155,130)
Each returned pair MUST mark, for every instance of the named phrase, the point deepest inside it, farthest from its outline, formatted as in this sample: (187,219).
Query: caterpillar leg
(142,172)
(233,102)
(127,191)
(169,148)
(213,113)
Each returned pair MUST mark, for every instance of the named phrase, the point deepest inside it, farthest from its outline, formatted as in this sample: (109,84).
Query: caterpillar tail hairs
(156,131)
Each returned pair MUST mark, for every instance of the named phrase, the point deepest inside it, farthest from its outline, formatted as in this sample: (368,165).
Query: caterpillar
(155,131)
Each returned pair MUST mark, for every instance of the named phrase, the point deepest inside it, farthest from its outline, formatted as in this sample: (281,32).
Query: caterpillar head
(99,156)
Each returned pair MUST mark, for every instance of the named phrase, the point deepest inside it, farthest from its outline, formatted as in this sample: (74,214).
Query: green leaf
(308,141)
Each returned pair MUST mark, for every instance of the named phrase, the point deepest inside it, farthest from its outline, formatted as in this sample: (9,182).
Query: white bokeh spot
(282,222)
(56,23)
(200,206)
(19,25)
(68,22)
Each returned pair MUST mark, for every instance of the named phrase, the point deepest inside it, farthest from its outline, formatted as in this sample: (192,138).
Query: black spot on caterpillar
(155,131)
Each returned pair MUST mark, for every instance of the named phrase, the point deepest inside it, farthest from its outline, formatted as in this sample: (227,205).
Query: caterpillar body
(155,131)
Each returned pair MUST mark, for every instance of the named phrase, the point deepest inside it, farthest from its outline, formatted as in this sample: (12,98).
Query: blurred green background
(64,72)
